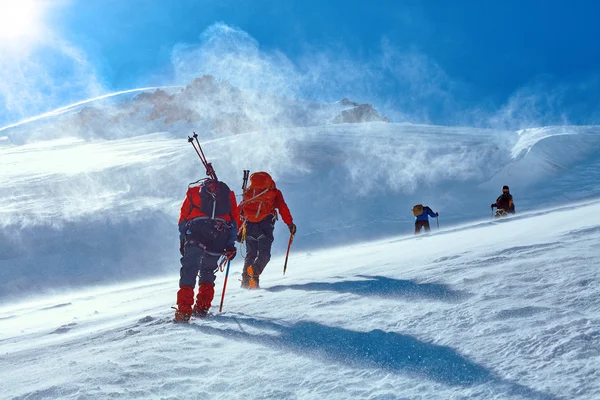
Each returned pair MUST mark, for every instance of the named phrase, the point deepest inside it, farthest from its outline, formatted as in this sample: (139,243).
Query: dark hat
(505,187)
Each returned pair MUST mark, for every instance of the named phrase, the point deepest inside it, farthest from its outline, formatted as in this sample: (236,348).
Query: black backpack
(214,198)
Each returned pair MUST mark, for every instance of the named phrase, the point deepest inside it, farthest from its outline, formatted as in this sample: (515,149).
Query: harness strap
(214,196)
(195,243)
(254,197)
(258,211)
(202,217)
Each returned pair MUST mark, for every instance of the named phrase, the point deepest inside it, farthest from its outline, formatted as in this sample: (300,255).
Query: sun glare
(19,19)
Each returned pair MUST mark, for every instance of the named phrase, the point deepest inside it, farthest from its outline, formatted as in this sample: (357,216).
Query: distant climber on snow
(258,212)
(504,203)
(422,214)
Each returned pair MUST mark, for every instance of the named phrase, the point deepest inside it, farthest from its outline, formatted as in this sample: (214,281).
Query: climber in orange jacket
(258,212)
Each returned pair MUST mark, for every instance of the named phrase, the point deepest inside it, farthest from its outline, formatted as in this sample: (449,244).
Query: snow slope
(78,211)
(495,310)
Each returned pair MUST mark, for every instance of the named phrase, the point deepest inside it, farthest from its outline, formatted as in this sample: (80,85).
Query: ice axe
(288,252)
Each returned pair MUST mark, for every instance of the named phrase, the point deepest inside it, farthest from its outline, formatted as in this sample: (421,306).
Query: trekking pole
(191,140)
(210,171)
(224,285)
(288,253)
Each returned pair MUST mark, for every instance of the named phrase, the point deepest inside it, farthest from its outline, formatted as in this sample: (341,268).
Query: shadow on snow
(381,286)
(389,351)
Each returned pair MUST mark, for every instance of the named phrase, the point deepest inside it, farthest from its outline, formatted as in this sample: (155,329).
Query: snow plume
(233,55)
(420,157)
(401,81)
(269,79)
(547,101)
(422,89)
(532,106)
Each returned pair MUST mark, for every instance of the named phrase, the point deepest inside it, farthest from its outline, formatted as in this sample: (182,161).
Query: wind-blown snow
(86,211)
(502,310)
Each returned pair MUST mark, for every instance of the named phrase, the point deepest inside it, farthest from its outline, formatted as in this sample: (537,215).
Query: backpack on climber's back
(259,198)
(214,198)
(418,210)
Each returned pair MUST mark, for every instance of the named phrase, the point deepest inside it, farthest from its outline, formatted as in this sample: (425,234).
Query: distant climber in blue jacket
(422,214)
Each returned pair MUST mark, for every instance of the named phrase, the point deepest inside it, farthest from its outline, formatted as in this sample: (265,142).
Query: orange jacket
(284,211)
(191,210)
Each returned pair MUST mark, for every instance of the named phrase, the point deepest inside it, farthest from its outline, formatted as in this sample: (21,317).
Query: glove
(493,205)
(181,247)
(437,214)
(182,227)
(292,228)
(230,251)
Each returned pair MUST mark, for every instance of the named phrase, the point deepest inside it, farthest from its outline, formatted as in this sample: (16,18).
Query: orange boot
(253,281)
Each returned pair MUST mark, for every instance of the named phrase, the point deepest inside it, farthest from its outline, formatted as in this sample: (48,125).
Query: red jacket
(192,210)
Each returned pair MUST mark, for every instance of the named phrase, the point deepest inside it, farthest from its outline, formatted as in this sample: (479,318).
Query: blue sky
(508,63)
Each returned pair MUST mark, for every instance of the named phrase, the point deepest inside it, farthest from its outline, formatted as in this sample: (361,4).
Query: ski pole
(288,252)
(437,219)
(224,285)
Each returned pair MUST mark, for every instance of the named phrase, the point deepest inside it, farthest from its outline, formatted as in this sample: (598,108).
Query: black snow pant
(421,224)
(204,244)
(259,239)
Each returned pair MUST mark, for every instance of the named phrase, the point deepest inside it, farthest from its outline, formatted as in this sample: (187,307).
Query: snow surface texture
(500,310)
